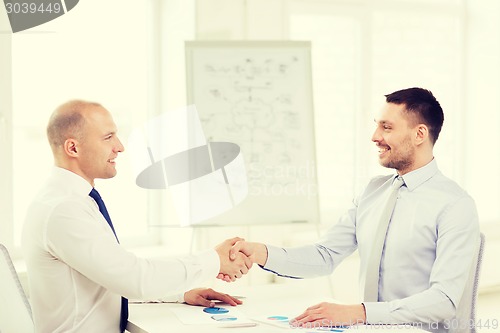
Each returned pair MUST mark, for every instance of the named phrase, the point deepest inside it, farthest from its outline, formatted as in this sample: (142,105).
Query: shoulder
(52,213)
(378,183)
(373,188)
(57,206)
(379,180)
(448,189)
(457,209)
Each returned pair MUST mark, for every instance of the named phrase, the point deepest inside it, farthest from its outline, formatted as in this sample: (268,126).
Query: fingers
(241,246)
(248,263)
(243,264)
(311,324)
(197,297)
(207,296)
(317,306)
(215,295)
(331,314)
(307,318)
(234,240)
(257,252)
(311,314)
(233,269)
(223,248)
(227,299)
(200,300)
(300,317)
(224,277)
(233,300)
(235,249)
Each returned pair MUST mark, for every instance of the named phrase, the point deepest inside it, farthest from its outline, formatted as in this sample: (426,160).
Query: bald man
(79,275)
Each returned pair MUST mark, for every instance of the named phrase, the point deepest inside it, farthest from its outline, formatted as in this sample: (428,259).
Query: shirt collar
(71,181)
(419,176)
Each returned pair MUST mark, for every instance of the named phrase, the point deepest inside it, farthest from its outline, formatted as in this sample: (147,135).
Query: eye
(386,127)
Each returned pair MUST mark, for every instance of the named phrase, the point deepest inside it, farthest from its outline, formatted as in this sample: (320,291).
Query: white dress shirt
(78,272)
(427,255)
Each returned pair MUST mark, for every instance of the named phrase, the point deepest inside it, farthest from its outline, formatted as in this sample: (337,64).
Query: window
(90,53)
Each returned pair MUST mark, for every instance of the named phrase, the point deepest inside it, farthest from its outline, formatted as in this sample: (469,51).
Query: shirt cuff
(180,298)
(377,312)
(210,262)
(176,298)
(276,256)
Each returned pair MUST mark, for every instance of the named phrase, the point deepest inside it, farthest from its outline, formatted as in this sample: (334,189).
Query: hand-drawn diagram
(258,95)
(261,114)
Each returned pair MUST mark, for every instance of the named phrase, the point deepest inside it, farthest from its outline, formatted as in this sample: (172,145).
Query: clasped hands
(237,257)
(234,263)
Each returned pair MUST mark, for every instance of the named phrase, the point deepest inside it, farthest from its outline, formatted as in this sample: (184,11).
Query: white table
(259,302)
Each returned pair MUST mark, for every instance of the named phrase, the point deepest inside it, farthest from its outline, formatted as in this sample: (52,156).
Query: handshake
(237,257)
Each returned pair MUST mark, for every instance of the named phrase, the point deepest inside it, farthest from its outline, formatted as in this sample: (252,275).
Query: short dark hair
(422,104)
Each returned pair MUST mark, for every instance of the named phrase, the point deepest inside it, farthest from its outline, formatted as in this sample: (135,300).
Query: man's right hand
(256,252)
(235,267)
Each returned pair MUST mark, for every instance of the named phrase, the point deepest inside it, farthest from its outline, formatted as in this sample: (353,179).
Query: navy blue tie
(102,208)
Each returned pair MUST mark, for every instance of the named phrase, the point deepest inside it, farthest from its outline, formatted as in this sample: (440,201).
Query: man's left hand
(331,314)
(207,296)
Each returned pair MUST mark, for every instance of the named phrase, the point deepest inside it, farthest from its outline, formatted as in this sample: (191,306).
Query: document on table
(281,321)
(229,317)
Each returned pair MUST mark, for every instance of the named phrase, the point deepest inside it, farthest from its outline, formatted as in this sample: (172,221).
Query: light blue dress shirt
(427,255)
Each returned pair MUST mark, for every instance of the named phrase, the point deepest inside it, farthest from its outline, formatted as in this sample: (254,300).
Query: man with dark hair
(416,231)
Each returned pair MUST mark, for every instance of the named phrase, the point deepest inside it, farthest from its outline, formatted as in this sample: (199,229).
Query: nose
(376,137)
(119,146)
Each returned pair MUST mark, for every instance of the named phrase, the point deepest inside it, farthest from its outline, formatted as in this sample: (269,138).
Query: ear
(421,134)
(71,147)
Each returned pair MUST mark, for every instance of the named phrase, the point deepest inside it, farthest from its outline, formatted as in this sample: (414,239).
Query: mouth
(112,161)
(383,150)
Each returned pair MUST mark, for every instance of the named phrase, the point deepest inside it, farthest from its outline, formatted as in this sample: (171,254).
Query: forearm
(299,262)
(110,266)
(431,306)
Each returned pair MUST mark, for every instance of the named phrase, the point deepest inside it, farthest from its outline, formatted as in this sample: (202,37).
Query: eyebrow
(109,133)
(382,122)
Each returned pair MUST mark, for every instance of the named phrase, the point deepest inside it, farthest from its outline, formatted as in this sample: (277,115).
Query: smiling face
(396,139)
(99,145)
